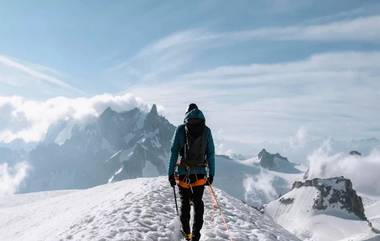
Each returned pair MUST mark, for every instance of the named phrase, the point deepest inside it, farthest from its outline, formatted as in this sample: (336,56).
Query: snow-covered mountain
(114,146)
(299,153)
(322,210)
(276,162)
(372,212)
(263,177)
(117,146)
(10,156)
(131,210)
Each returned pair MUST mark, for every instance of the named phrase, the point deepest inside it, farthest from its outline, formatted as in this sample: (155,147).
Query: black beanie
(191,107)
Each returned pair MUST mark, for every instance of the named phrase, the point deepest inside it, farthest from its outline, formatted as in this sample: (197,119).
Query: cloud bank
(29,120)
(11,177)
(362,170)
(259,189)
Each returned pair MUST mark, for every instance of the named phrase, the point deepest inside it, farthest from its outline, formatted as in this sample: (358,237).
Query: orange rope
(214,206)
(211,190)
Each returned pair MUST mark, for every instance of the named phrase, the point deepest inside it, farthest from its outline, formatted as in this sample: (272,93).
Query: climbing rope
(215,200)
(214,207)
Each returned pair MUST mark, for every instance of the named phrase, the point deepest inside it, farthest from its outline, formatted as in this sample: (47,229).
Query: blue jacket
(179,141)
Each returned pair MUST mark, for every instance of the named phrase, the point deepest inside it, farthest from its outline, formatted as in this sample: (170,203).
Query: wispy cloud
(11,177)
(177,53)
(362,170)
(300,139)
(259,189)
(365,29)
(329,93)
(17,73)
(166,57)
(180,41)
(344,63)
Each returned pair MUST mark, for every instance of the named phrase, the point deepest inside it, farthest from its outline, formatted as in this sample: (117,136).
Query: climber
(194,145)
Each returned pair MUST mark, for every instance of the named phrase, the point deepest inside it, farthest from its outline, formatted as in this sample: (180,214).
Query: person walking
(194,145)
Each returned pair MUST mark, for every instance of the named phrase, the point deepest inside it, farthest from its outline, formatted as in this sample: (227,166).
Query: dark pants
(195,195)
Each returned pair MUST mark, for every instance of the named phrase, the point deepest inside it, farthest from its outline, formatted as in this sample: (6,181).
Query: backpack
(194,150)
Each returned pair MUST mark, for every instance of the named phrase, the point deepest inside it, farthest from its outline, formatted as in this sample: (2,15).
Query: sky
(262,71)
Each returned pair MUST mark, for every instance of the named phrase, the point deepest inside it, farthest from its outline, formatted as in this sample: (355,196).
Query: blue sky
(261,70)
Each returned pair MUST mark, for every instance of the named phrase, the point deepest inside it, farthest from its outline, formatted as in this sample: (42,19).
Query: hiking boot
(187,236)
(196,237)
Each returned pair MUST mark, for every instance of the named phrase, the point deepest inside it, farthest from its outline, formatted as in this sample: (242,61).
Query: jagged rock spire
(153,110)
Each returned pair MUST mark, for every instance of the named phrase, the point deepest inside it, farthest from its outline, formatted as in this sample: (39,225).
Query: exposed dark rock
(286,201)
(276,162)
(355,153)
(337,190)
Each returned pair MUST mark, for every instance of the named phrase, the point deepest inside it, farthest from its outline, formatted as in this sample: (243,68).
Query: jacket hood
(194,114)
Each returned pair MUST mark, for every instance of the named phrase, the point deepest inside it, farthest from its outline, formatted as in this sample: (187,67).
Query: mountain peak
(152,119)
(276,162)
(108,109)
(355,153)
(107,112)
(263,151)
(153,110)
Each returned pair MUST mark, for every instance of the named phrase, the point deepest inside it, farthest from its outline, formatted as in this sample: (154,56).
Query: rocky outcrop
(355,153)
(286,201)
(276,162)
(336,192)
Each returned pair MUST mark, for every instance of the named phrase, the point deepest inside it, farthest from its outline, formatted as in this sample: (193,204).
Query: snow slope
(295,211)
(263,178)
(373,213)
(135,209)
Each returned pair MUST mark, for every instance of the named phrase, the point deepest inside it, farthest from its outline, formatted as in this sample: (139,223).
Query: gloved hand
(172,180)
(210,179)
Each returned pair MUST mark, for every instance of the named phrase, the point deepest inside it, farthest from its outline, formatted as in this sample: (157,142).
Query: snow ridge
(130,210)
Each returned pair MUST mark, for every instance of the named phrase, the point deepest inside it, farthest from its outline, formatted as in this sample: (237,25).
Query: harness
(188,185)
(186,181)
